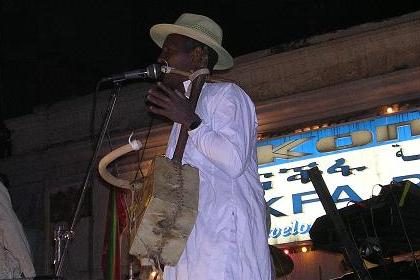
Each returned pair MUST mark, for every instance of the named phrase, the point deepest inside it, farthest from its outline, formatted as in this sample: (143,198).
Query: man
(229,238)
(15,253)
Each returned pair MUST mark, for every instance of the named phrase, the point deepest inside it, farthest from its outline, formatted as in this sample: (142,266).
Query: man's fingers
(158,97)
(169,103)
(163,87)
(180,94)
(169,91)
(159,100)
(157,111)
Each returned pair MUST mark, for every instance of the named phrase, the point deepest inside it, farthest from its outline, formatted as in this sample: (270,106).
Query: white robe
(229,239)
(15,253)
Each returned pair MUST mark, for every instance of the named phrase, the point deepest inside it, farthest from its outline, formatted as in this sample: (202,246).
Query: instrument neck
(196,87)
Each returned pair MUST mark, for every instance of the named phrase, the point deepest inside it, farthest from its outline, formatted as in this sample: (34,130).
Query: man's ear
(199,57)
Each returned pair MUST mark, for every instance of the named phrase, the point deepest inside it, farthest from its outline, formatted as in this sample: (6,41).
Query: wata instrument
(165,205)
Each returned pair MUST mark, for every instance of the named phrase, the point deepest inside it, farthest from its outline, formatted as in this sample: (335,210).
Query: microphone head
(154,71)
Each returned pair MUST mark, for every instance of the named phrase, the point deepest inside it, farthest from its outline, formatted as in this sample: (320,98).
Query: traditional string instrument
(166,204)
(170,200)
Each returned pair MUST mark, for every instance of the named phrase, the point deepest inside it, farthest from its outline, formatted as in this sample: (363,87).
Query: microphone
(152,71)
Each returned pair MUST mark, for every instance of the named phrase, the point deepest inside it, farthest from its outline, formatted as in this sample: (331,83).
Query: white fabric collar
(186,84)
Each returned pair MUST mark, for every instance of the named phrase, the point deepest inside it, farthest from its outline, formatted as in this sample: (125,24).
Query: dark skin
(167,98)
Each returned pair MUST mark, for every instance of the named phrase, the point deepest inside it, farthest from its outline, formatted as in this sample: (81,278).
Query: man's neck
(176,82)
(180,87)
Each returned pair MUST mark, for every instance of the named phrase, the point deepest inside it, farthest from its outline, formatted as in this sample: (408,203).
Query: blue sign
(354,158)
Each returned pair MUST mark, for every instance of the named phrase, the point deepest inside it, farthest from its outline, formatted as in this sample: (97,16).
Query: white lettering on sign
(354,159)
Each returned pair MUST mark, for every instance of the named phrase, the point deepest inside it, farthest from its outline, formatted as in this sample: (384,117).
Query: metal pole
(92,164)
(351,253)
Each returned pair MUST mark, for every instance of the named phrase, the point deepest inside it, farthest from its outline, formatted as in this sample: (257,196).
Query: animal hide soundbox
(167,212)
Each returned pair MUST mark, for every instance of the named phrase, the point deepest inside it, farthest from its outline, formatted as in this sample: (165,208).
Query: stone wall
(360,52)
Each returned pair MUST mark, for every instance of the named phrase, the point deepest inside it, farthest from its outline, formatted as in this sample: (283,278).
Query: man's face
(176,54)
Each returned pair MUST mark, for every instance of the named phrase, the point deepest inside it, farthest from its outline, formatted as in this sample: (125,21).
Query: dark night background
(57,49)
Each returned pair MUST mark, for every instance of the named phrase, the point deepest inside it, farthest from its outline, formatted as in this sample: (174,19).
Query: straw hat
(200,28)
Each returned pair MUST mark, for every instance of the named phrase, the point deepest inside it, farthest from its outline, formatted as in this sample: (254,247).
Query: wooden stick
(196,87)
(212,79)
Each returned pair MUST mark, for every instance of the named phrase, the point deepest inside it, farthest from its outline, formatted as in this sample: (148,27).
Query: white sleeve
(227,137)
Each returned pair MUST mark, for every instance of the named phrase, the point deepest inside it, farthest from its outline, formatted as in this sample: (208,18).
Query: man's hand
(171,104)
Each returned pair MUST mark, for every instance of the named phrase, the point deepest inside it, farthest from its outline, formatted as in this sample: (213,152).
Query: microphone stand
(115,91)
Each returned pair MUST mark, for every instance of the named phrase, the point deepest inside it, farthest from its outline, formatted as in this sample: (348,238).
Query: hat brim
(159,32)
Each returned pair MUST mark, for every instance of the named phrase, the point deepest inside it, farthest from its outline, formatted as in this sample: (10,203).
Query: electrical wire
(405,230)
(140,158)
(383,261)
(358,252)
(137,197)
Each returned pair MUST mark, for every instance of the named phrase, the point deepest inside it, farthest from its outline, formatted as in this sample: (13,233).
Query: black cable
(405,229)
(383,261)
(366,231)
(111,148)
(140,158)
(358,251)
(372,220)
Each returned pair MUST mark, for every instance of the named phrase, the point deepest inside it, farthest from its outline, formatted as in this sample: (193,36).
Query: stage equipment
(60,236)
(347,245)
(382,227)
(92,163)
(393,271)
(152,71)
